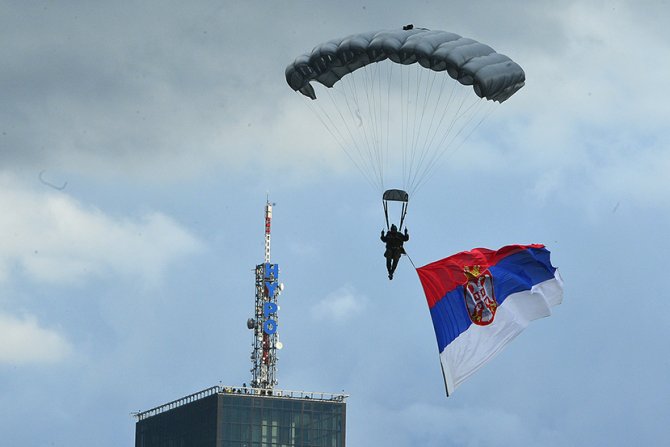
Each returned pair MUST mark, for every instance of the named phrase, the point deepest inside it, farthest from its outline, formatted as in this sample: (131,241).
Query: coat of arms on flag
(479,295)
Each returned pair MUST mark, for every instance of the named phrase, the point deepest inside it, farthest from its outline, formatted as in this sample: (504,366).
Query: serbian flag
(481,299)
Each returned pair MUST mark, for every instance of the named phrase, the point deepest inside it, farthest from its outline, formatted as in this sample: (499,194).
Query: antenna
(264,324)
(268,225)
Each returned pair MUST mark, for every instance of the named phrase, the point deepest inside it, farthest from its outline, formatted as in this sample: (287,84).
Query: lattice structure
(265,321)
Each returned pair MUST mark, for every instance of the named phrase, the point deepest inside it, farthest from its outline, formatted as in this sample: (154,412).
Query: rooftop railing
(257,392)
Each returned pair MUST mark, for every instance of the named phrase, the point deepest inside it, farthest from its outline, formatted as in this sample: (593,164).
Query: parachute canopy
(493,76)
(397,101)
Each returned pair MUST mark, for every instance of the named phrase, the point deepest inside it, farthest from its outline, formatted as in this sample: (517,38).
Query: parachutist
(394,240)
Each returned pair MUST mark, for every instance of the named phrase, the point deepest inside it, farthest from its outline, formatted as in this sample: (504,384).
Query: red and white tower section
(265,322)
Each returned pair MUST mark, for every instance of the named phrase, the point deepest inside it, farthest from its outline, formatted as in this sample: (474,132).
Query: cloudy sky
(138,144)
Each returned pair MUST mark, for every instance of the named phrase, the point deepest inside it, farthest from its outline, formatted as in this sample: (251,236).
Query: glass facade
(190,425)
(231,419)
(253,421)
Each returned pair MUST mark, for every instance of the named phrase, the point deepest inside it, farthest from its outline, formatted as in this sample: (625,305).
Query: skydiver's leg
(393,266)
(389,267)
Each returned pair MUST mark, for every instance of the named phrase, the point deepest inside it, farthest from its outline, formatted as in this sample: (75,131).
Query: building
(254,416)
(245,417)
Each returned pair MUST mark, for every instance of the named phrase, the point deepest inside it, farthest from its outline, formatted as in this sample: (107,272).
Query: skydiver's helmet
(393,227)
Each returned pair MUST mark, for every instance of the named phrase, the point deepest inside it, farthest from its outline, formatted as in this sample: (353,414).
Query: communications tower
(265,321)
(255,415)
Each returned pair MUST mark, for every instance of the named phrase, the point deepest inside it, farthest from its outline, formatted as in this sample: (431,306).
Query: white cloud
(590,114)
(53,238)
(24,342)
(342,304)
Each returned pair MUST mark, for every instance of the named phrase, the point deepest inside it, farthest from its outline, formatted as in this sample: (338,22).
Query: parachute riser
(402,215)
(386,214)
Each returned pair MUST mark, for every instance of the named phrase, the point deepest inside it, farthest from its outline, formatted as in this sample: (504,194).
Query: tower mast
(264,324)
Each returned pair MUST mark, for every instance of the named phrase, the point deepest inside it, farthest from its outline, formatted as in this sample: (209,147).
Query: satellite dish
(279,345)
(281,286)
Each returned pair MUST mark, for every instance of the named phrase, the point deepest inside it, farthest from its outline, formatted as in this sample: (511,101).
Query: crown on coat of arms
(472,271)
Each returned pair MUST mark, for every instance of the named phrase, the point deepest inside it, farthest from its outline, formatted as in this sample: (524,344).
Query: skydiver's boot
(392,267)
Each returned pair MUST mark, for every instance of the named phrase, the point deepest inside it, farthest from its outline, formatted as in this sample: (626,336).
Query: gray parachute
(493,76)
